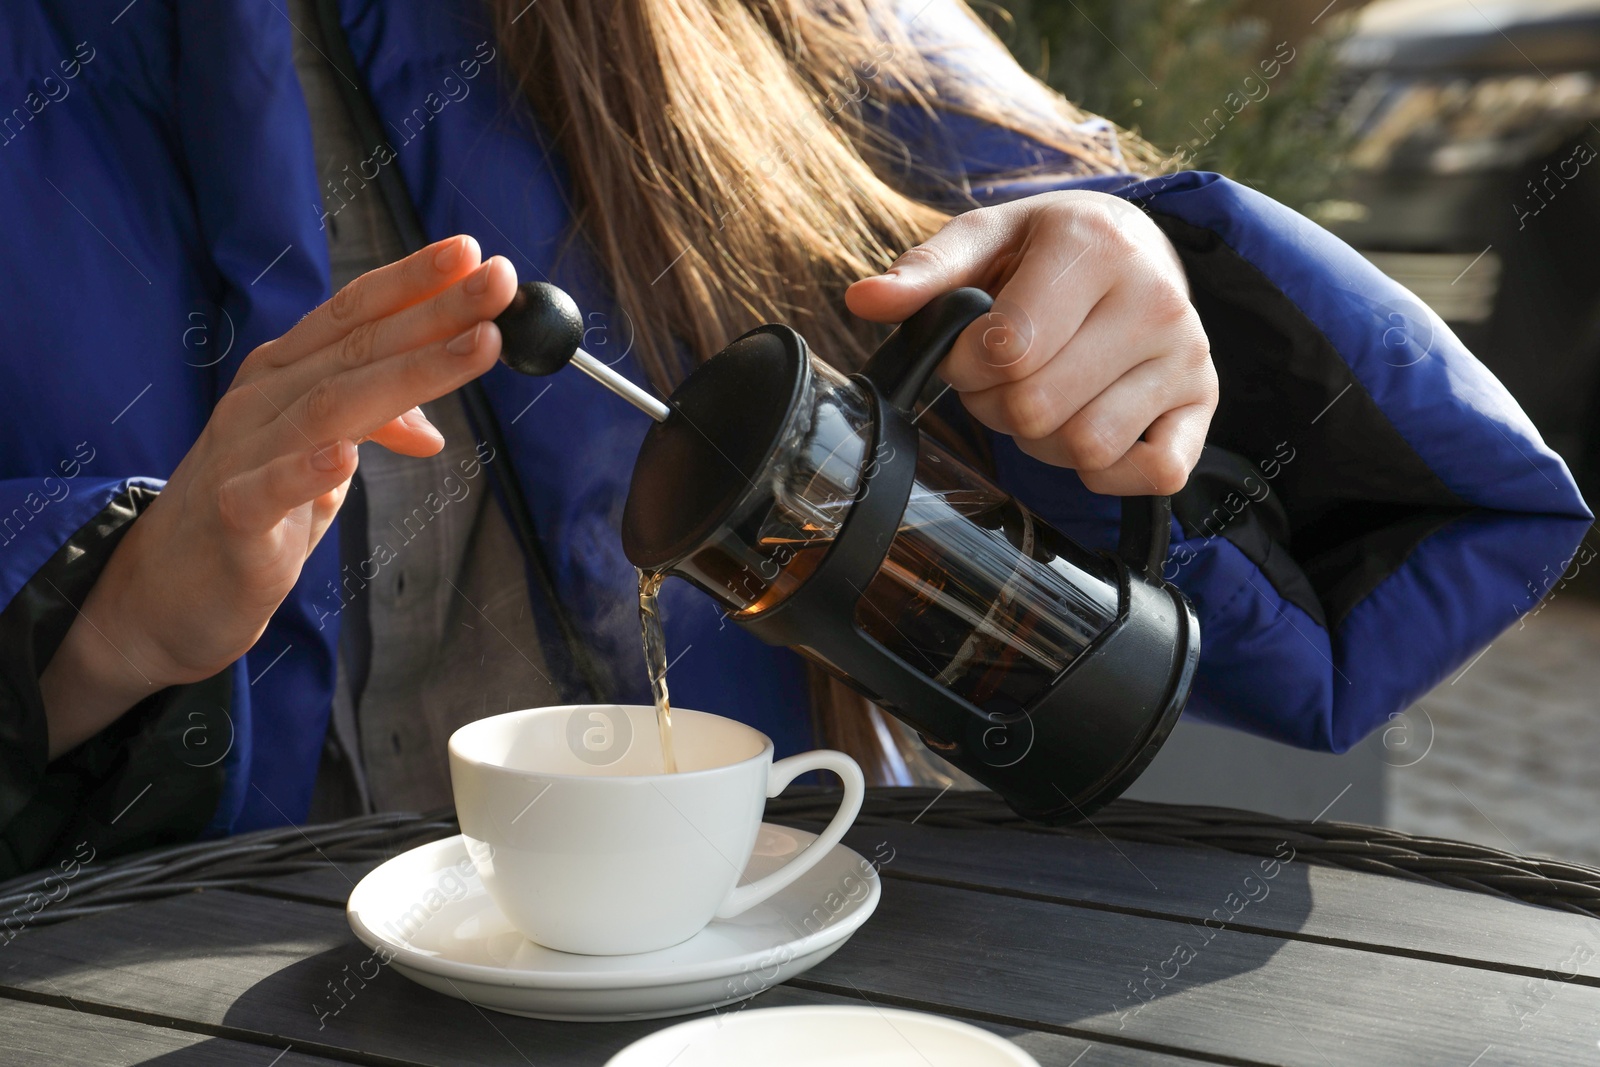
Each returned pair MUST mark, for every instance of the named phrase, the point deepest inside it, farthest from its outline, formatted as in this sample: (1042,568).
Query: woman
(204,658)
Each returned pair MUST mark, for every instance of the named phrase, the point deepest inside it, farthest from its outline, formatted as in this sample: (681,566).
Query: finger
(372,296)
(324,509)
(257,500)
(971,249)
(1070,273)
(1097,354)
(1158,465)
(478,297)
(410,435)
(1100,433)
(355,403)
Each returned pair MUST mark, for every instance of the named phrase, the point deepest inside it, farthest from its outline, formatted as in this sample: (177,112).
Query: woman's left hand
(1093,357)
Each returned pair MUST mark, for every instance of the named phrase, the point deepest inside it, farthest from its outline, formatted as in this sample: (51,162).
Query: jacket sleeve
(155,775)
(1372,507)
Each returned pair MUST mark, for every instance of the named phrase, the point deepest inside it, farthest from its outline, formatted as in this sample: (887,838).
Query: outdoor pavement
(1514,760)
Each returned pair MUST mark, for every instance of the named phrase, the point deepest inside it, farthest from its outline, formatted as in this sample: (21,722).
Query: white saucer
(836,1036)
(429,912)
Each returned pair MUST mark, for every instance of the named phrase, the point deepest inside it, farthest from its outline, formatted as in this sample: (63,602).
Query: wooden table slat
(38,1034)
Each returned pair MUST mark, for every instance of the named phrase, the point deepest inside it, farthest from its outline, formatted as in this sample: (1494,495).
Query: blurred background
(1456,144)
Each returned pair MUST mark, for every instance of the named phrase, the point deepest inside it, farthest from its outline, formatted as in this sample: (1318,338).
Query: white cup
(587,846)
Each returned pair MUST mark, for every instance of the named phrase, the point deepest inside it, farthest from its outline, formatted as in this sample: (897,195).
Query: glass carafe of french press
(814,510)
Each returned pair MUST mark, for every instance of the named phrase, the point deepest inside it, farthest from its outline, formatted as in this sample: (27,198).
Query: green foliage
(1202,80)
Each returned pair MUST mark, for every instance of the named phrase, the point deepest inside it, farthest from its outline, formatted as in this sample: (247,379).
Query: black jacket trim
(1353,498)
(1229,497)
(153,777)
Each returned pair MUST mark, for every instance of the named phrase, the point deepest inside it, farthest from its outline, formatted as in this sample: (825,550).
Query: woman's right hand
(192,584)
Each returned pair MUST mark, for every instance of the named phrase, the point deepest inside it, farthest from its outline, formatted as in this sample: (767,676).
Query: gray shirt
(446,600)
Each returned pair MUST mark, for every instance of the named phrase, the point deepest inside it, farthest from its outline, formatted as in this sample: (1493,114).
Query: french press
(815,511)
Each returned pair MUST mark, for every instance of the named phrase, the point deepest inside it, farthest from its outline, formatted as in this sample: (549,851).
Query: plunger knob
(540,330)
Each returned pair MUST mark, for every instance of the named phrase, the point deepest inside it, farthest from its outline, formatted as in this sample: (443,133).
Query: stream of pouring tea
(655,661)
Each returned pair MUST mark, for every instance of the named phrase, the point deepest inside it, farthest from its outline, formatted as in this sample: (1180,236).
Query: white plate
(836,1036)
(430,913)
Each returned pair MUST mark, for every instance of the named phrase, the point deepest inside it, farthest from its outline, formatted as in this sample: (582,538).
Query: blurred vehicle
(1474,180)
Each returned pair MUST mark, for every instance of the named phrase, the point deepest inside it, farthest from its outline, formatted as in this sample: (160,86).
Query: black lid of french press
(717,446)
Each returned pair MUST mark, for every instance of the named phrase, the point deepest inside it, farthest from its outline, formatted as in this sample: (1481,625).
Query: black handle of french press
(908,357)
(902,365)
(540,329)
(1145,534)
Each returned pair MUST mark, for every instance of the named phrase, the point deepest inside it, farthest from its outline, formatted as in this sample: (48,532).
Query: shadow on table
(1153,959)
(346,999)
(1058,930)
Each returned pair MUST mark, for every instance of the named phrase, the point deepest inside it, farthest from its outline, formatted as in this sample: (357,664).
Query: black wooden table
(1085,948)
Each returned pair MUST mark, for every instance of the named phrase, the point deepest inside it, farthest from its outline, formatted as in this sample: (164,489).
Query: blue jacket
(1375,507)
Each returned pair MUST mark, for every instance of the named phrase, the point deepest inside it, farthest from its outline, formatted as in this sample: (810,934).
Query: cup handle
(783,772)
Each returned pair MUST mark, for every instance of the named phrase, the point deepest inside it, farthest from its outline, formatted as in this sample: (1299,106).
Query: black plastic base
(1099,726)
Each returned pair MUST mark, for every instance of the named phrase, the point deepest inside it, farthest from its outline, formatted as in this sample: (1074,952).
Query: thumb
(971,249)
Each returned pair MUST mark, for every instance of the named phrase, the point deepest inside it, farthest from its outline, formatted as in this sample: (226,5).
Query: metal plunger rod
(541,332)
(642,399)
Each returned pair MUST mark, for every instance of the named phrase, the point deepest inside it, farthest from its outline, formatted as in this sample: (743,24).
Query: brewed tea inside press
(813,509)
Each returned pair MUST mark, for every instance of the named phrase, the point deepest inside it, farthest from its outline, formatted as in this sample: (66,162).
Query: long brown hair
(724,172)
